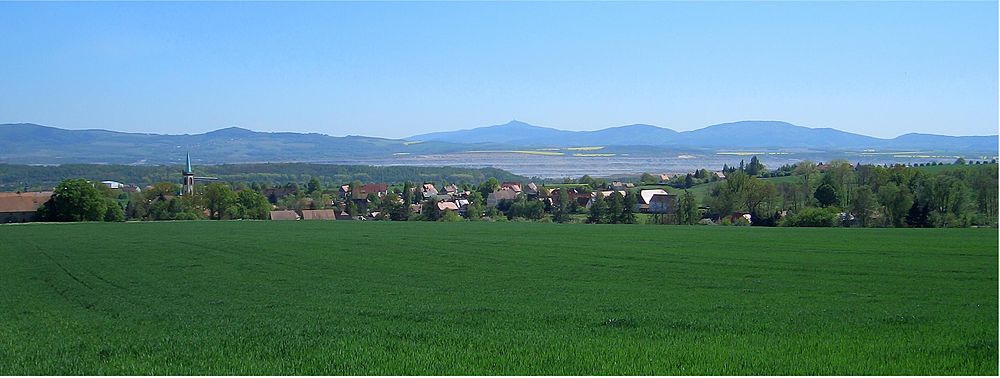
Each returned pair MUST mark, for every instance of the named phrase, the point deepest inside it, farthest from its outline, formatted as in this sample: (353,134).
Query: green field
(206,297)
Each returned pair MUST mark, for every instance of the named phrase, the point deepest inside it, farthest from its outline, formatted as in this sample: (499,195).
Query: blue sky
(399,69)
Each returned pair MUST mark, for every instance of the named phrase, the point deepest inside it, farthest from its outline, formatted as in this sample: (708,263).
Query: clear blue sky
(398,69)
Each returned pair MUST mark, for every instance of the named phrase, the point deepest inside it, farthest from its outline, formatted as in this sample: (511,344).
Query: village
(489,200)
(805,194)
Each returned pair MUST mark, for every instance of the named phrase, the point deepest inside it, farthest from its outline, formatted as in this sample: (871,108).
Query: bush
(450,216)
(811,217)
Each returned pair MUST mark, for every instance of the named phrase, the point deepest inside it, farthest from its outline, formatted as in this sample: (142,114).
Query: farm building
(21,207)
(327,214)
(284,215)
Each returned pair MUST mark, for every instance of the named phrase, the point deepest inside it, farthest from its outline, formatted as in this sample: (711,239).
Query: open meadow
(204,297)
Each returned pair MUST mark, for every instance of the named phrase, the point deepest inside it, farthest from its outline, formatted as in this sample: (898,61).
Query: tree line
(864,195)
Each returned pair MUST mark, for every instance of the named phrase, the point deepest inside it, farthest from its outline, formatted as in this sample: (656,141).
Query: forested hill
(15,177)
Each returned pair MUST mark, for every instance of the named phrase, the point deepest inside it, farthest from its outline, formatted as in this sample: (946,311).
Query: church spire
(187,177)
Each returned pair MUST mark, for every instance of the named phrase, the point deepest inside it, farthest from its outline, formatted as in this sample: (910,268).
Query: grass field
(185,298)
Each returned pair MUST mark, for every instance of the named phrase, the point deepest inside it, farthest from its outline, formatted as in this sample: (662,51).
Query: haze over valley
(518,147)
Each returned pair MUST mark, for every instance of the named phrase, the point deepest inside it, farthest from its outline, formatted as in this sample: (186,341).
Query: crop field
(181,298)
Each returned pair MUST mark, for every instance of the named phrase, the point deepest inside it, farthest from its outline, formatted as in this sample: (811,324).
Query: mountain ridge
(750,133)
(27,143)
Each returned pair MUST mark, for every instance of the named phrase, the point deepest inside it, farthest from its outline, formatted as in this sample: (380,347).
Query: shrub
(450,216)
(811,217)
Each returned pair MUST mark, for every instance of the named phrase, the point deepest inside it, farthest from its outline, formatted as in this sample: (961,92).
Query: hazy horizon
(400,69)
(473,127)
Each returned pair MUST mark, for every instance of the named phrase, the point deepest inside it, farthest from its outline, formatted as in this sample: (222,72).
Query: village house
(662,204)
(515,186)
(504,194)
(646,198)
(450,189)
(618,185)
(428,190)
(379,189)
(21,207)
(531,190)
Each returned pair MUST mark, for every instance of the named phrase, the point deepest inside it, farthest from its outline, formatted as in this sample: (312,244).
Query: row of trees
(76,200)
(864,195)
(13,176)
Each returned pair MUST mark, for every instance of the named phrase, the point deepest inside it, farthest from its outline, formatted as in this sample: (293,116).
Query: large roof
(647,195)
(327,214)
(22,202)
(284,215)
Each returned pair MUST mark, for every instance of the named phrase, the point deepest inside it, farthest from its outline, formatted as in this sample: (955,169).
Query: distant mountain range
(735,135)
(35,144)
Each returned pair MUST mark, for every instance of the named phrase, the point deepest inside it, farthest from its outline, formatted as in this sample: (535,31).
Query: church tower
(187,180)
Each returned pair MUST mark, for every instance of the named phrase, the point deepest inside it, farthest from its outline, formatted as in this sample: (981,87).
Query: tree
(628,205)
(616,204)
(408,193)
(960,161)
(313,185)
(598,208)
(137,207)
(351,207)
(251,205)
(429,211)
(74,200)
(477,206)
(647,178)
(826,194)
(687,209)
(523,208)
(864,204)
(688,181)
(918,215)
(219,200)
(895,201)
(113,212)
(755,168)
(489,186)
(561,207)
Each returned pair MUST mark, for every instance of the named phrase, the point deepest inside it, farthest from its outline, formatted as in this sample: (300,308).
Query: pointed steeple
(187,167)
